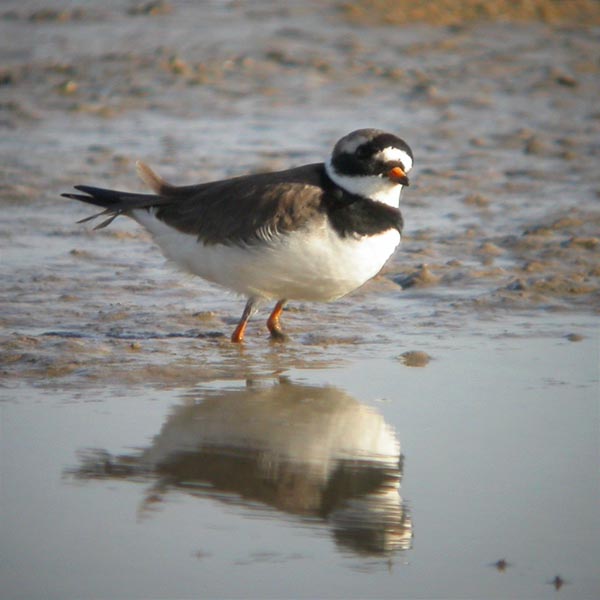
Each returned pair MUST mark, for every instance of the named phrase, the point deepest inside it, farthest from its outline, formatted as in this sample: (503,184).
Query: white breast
(313,264)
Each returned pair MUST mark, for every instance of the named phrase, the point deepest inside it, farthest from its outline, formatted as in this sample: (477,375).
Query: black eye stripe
(363,152)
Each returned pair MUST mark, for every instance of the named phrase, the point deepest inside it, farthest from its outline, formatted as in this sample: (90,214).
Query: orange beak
(397,175)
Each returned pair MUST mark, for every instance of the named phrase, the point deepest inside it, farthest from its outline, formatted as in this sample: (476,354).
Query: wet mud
(502,215)
(124,401)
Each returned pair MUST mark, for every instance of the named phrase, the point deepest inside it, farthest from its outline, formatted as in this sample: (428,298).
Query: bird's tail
(116,203)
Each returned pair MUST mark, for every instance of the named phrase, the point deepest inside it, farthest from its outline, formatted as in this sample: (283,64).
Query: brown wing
(244,209)
(231,211)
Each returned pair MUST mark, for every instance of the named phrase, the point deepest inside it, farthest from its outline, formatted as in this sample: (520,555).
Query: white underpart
(376,187)
(391,154)
(310,264)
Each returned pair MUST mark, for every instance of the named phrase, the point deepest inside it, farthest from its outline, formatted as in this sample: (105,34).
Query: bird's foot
(277,335)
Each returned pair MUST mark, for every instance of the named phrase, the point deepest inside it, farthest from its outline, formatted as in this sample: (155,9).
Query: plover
(310,233)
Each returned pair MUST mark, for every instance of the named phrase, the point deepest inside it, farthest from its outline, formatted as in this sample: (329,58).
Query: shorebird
(311,233)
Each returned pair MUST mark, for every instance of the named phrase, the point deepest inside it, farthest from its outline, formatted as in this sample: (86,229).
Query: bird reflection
(313,452)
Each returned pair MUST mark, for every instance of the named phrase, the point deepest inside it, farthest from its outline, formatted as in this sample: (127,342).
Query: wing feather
(241,210)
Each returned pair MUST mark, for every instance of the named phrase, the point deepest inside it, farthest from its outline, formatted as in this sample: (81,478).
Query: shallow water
(292,485)
(145,456)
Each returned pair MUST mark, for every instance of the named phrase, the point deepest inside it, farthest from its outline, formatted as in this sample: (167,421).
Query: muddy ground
(433,435)
(502,216)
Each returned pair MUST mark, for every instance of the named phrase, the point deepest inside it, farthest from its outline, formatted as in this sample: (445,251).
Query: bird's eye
(362,152)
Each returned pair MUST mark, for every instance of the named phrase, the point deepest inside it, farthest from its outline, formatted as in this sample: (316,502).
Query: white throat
(374,187)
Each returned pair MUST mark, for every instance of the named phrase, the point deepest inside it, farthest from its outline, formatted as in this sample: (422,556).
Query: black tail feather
(114,202)
(114,198)
(89,199)
(113,214)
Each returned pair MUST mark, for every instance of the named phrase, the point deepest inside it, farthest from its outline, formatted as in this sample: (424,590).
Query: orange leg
(273,321)
(238,335)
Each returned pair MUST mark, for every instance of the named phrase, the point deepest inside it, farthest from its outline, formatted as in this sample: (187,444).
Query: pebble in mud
(153,9)
(574,337)
(501,565)
(415,358)
(477,200)
(489,250)
(557,582)
(588,243)
(419,278)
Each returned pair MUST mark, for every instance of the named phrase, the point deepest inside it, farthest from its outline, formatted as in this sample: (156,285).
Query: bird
(309,233)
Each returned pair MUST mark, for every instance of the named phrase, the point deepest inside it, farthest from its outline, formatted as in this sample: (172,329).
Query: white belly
(314,264)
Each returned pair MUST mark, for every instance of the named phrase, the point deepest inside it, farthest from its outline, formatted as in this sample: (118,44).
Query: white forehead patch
(350,144)
(391,154)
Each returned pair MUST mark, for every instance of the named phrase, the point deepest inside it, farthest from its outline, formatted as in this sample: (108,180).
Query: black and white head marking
(371,163)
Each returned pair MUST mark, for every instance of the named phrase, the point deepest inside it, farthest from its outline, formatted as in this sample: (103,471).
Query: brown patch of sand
(459,12)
